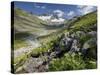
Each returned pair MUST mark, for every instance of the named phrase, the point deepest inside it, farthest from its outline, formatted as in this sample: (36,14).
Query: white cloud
(38,6)
(85,9)
(48,18)
(58,12)
(71,13)
(58,20)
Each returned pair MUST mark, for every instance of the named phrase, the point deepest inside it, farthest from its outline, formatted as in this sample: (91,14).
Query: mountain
(52,19)
(28,25)
(68,46)
(82,21)
(24,21)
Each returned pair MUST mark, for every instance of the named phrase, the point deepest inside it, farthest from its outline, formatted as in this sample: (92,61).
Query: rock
(73,35)
(80,34)
(66,34)
(67,42)
(77,35)
(31,64)
(91,42)
(75,46)
(92,33)
(58,48)
(94,27)
(42,68)
(90,48)
(35,55)
(53,54)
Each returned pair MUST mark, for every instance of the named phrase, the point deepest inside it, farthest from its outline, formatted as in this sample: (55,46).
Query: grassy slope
(24,20)
(85,22)
(30,18)
(24,24)
(76,61)
(27,23)
(82,24)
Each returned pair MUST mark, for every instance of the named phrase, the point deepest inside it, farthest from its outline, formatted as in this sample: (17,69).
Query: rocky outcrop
(68,43)
(35,65)
(92,33)
(75,46)
(90,48)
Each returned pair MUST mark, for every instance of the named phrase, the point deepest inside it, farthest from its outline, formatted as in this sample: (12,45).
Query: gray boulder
(92,33)
(90,48)
(66,42)
(31,64)
(80,34)
(75,46)
(77,35)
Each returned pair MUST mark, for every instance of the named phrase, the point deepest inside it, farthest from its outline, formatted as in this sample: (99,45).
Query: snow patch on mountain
(45,18)
(50,19)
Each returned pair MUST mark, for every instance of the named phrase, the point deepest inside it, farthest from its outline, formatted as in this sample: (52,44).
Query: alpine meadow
(50,37)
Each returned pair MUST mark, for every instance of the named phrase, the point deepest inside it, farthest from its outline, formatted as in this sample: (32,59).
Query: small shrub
(68,62)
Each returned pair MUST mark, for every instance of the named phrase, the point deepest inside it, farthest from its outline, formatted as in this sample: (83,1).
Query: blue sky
(62,10)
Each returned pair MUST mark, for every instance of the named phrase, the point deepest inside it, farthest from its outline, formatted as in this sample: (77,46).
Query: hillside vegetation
(27,24)
(70,47)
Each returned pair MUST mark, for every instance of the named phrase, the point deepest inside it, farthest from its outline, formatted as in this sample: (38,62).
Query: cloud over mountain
(58,12)
(85,9)
(71,14)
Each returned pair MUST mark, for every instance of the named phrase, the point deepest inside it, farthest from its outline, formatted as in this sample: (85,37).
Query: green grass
(48,41)
(85,38)
(85,22)
(19,44)
(20,60)
(71,62)
(66,62)
(52,36)
(76,61)
(46,45)
(19,40)
(28,17)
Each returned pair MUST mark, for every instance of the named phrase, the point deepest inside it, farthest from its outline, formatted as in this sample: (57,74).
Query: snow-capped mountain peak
(51,18)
